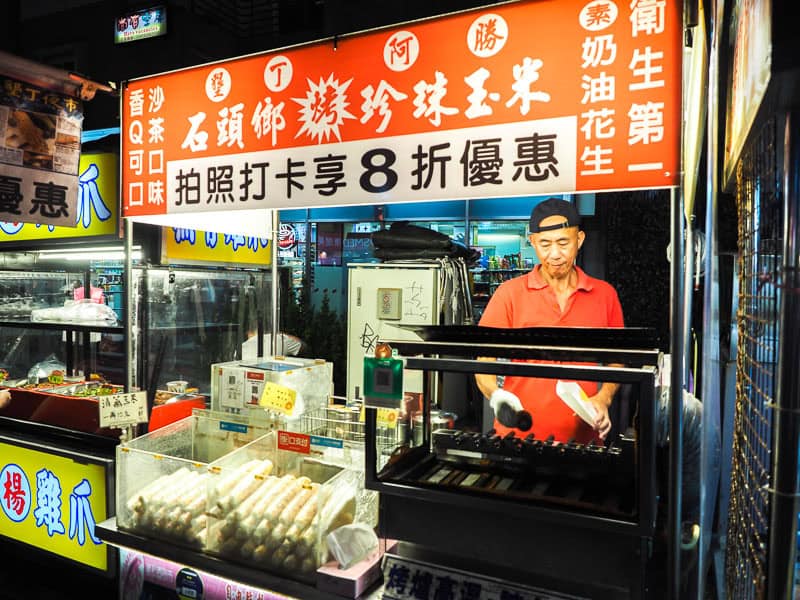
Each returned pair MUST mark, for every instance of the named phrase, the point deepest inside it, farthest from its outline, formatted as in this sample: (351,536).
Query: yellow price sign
(387,417)
(278,398)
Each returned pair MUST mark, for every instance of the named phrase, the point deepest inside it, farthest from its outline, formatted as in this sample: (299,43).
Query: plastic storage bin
(162,477)
(277,520)
(237,386)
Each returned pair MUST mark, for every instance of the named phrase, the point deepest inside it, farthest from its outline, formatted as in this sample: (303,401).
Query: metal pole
(688,287)
(676,394)
(786,418)
(712,367)
(275,288)
(128,306)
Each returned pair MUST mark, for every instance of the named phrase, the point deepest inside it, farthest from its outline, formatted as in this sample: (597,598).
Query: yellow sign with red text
(519,99)
(53,502)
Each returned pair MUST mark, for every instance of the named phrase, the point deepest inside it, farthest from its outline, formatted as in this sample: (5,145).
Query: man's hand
(508,410)
(5,398)
(602,423)
(500,397)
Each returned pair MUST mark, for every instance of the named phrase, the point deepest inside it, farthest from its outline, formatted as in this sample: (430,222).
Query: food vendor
(558,293)
(555,293)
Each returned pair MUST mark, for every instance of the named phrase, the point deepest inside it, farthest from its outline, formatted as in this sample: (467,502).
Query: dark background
(78,35)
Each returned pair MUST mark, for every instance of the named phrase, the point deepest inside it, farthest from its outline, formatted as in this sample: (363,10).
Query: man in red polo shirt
(555,293)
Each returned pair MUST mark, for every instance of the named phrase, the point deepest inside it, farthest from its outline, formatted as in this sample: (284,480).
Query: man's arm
(487,383)
(602,401)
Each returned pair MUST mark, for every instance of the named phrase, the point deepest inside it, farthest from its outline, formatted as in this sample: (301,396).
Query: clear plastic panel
(196,317)
(162,476)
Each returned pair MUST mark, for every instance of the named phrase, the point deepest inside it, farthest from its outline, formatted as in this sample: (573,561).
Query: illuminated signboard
(40,133)
(53,502)
(151,22)
(191,245)
(525,98)
(98,208)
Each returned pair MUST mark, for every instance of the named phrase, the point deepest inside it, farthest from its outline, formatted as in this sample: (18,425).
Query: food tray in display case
(272,509)
(162,476)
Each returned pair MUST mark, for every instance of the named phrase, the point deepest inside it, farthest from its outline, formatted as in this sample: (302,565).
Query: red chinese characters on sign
(16,493)
(528,98)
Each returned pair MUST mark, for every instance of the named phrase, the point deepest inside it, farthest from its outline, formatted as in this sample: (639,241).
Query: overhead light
(91,253)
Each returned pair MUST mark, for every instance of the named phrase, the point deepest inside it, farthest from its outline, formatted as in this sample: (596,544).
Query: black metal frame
(524,537)
(786,419)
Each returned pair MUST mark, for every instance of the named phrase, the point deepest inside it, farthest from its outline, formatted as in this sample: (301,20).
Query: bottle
(519,419)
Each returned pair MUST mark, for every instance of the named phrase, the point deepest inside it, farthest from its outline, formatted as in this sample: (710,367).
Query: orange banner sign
(523,98)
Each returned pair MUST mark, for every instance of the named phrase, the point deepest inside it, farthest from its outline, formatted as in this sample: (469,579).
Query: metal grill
(347,424)
(759,201)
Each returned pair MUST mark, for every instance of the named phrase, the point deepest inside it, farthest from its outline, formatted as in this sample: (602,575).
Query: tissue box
(357,579)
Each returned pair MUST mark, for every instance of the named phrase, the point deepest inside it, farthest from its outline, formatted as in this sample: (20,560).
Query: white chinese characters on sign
(323,127)
(645,119)
(196,140)
(526,75)
(599,89)
(155,97)
(268,119)
(377,100)
(647,16)
(477,99)
(428,101)
(153,161)
(229,126)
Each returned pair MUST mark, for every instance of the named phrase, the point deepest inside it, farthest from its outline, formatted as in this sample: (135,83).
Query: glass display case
(40,314)
(477,484)
(191,318)
(50,343)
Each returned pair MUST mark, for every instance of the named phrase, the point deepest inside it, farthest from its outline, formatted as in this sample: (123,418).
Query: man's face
(557,248)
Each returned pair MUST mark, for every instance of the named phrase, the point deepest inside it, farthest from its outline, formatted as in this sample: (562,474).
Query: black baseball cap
(554,207)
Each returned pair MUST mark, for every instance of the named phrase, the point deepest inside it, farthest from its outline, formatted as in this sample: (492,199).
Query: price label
(278,398)
(386,417)
(118,410)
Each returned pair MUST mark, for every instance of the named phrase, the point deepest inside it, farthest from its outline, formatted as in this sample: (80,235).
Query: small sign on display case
(278,398)
(118,410)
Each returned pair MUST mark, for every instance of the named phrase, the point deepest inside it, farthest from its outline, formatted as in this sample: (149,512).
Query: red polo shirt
(528,301)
